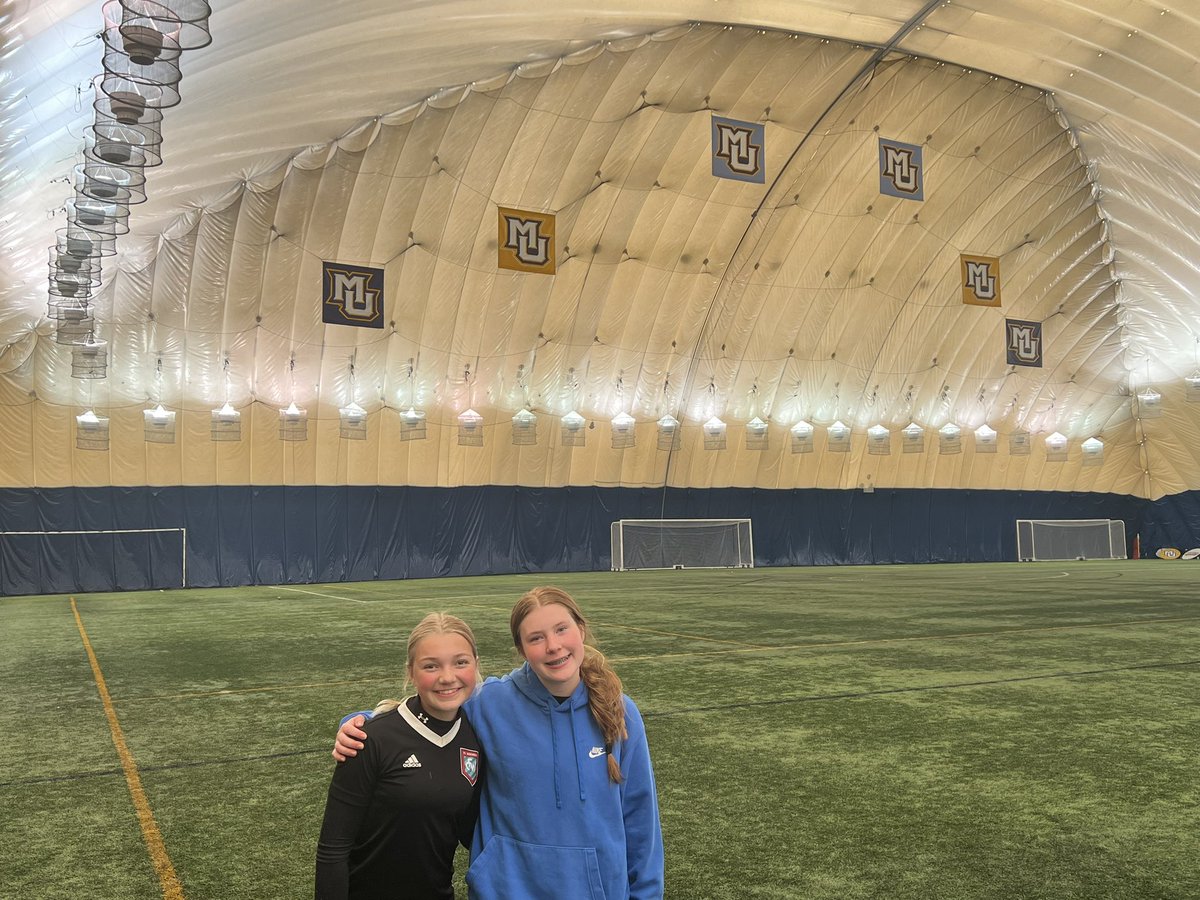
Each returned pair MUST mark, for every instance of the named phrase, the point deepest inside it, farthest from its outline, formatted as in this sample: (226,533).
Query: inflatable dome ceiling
(785,243)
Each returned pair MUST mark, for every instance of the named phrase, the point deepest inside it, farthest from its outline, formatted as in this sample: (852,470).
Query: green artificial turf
(967,731)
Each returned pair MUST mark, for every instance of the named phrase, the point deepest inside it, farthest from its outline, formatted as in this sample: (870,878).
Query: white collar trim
(438,740)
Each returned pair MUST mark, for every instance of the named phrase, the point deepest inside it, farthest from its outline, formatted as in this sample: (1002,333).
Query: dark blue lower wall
(297,535)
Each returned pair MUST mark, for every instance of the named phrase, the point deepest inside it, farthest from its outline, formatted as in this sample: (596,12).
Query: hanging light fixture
(757,434)
(1056,447)
(293,423)
(573,430)
(158,425)
(714,434)
(524,428)
(668,433)
(89,359)
(949,439)
(412,424)
(912,438)
(75,322)
(838,440)
(470,429)
(1149,404)
(879,440)
(353,422)
(802,437)
(985,439)
(624,431)
(91,431)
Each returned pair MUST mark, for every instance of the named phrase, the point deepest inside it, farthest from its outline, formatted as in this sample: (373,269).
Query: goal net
(119,559)
(681,543)
(1050,539)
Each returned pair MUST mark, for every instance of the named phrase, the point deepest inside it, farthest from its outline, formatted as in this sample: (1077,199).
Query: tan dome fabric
(1055,140)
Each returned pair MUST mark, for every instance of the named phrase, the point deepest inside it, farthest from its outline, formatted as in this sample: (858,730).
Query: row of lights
(293,426)
(226,425)
(143,41)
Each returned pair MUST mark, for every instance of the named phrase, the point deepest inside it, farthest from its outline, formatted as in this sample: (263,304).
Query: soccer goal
(51,562)
(681,544)
(1051,539)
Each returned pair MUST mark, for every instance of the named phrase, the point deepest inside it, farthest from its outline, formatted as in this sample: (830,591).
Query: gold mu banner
(980,279)
(526,241)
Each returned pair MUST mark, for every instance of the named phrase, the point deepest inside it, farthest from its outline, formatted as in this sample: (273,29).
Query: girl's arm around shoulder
(639,805)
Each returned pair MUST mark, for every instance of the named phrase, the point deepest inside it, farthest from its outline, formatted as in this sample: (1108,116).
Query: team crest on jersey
(469,764)
(351,295)
(980,280)
(901,170)
(526,241)
(1023,342)
(738,149)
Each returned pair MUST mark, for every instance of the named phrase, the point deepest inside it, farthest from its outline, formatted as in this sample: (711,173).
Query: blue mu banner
(351,295)
(901,170)
(1023,342)
(738,150)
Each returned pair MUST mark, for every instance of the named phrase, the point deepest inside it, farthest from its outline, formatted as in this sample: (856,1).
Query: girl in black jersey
(397,811)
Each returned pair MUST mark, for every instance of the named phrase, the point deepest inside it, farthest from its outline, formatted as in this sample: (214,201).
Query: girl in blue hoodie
(569,808)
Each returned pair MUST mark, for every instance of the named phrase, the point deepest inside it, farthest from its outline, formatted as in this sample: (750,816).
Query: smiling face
(552,642)
(444,670)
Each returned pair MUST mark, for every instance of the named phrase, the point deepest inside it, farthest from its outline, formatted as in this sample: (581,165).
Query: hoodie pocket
(508,868)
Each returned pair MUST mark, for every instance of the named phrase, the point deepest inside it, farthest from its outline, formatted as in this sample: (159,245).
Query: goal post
(1059,539)
(40,562)
(681,544)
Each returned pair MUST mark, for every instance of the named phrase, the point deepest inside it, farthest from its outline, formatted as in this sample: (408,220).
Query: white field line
(319,594)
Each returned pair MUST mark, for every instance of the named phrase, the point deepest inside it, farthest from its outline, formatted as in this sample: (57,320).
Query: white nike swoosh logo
(594,752)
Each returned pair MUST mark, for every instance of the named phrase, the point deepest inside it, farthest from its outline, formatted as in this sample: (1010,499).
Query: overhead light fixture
(470,429)
(624,431)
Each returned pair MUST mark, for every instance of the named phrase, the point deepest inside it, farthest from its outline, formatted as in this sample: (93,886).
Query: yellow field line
(171,887)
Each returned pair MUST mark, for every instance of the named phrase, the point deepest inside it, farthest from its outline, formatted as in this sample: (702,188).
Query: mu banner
(351,295)
(526,241)
(738,150)
(901,170)
(1023,342)
(980,280)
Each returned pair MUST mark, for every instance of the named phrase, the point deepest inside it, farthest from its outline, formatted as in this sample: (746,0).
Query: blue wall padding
(302,535)
(1172,521)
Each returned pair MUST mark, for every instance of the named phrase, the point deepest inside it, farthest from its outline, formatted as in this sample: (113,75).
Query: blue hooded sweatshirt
(552,824)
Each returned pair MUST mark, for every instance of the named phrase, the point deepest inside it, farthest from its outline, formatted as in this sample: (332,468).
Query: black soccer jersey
(397,811)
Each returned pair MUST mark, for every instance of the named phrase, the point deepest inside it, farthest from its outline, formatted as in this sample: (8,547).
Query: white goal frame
(182,532)
(1027,543)
(743,536)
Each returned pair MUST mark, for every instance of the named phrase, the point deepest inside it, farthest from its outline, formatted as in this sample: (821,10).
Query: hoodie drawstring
(554,750)
(575,744)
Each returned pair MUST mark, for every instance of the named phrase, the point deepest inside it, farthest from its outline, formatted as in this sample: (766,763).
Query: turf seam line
(745,645)
(818,645)
(743,648)
(164,767)
(172,888)
(192,764)
(914,690)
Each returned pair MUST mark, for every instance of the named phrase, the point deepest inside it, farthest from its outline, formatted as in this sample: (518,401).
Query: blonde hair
(434,623)
(605,700)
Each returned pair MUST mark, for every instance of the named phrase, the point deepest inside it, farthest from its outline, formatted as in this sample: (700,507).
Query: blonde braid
(606,703)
